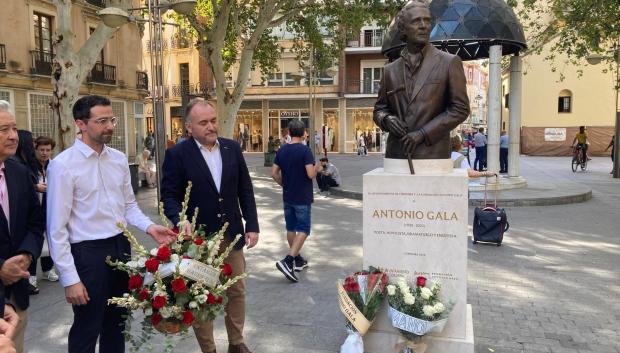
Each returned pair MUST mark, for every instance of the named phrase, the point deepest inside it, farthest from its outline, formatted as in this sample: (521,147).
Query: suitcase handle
(486,179)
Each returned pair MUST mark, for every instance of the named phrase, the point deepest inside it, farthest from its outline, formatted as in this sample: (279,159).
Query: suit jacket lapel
(226,153)
(11,185)
(428,65)
(196,155)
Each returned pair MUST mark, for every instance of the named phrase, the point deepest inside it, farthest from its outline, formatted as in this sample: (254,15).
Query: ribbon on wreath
(351,312)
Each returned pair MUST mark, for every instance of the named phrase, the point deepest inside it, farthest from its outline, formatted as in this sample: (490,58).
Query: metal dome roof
(468,28)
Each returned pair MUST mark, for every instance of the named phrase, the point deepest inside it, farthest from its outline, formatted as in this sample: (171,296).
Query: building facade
(26,53)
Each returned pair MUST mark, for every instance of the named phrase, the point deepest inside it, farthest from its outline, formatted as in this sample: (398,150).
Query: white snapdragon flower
(429,311)
(409,299)
(439,308)
(391,289)
(193,305)
(425,293)
(165,312)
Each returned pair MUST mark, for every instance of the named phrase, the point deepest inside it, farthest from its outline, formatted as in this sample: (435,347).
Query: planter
(269,157)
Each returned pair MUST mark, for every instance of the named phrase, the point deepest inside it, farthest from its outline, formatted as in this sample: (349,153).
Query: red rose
(175,230)
(211,299)
(226,270)
(144,294)
(198,241)
(188,317)
(349,280)
(155,319)
(352,287)
(159,301)
(420,281)
(135,282)
(163,254)
(186,257)
(178,285)
(151,264)
(219,300)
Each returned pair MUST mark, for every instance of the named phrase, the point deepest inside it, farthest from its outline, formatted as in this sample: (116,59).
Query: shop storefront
(361,127)
(248,130)
(329,130)
(279,119)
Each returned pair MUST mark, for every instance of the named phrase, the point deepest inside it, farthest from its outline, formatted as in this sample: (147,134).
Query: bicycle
(579,158)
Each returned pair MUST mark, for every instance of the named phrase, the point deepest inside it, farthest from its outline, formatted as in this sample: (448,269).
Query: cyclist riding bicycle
(582,141)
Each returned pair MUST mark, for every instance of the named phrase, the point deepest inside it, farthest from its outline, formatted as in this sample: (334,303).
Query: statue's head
(414,22)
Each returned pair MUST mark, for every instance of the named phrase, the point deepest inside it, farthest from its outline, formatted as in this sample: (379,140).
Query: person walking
(611,144)
(480,141)
(503,152)
(222,191)
(89,192)
(21,226)
(293,169)
(43,147)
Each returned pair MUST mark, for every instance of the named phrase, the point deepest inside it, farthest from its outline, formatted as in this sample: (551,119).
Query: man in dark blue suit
(222,191)
(21,226)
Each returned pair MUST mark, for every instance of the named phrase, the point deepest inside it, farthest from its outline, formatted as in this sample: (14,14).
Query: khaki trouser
(20,330)
(235,309)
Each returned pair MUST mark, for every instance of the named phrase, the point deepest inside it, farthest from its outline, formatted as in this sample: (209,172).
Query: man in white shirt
(89,193)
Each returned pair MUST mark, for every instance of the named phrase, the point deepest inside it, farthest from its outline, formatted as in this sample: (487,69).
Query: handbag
(490,222)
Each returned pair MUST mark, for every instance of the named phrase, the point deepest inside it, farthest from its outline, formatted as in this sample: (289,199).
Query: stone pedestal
(417,225)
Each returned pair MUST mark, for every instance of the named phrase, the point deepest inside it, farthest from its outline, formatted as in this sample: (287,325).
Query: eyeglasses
(105,121)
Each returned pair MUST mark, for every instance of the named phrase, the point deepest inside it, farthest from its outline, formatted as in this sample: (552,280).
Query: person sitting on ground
(144,166)
(460,160)
(327,175)
(582,141)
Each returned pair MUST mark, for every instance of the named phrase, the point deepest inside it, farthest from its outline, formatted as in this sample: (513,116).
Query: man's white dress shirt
(87,195)
(213,158)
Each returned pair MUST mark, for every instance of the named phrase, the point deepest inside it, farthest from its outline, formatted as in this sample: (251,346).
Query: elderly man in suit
(222,190)
(21,226)
(423,94)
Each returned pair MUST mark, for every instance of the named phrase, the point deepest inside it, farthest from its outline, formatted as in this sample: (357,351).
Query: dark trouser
(481,158)
(46,264)
(325,182)
(97,319)
(503,159)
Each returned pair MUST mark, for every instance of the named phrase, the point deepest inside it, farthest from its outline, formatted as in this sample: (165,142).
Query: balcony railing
(362,87)
(41,62)
(200,89)
(142,80)
(2,56)
(181,42)
(102,73)
(150,45)
(100,3)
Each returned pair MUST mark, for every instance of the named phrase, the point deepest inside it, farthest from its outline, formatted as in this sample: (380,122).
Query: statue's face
(416,25)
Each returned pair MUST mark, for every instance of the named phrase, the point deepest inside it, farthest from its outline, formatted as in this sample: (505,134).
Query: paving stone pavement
(553,286)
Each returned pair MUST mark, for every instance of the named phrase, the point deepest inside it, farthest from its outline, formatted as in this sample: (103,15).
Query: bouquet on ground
(178,284)
(416,311)
(360,297)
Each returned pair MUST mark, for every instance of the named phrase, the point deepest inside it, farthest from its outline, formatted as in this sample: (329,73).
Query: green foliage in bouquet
(175,285)
(366,290)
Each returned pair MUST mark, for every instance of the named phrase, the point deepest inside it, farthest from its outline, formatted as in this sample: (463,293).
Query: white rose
(165,312)
(439,308)
(429,311)
(425,293)
(409,299)
(391,289)
(141,261)
(153,252)
(401,281)
(132,264)
(193,305)
(201,299)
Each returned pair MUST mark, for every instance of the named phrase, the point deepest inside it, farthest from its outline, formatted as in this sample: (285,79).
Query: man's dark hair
(296,128)
(44,141)
(481,129)
(81,108)
(324,159)
(582,128)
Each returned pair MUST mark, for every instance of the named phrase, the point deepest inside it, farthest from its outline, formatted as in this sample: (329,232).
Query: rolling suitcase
(490,222)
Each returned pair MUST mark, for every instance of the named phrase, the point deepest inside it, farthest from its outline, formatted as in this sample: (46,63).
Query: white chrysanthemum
(425,293)
(153,252)
(193,305)
(391,289)
(439,308)
(165,312)
(409,299)
(401,281)
(141,261)
(429,311)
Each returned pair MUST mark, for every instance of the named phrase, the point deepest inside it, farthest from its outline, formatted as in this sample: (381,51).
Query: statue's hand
(410,141)
(395,126)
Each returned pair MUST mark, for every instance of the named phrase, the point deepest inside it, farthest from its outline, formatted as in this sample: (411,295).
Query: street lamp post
(115,17)
(594,60)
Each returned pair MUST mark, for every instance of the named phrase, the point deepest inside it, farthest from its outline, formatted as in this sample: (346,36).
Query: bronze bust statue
(422,95)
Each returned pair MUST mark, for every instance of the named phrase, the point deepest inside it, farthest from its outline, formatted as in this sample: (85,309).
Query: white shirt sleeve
(59,207)
(133,214)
